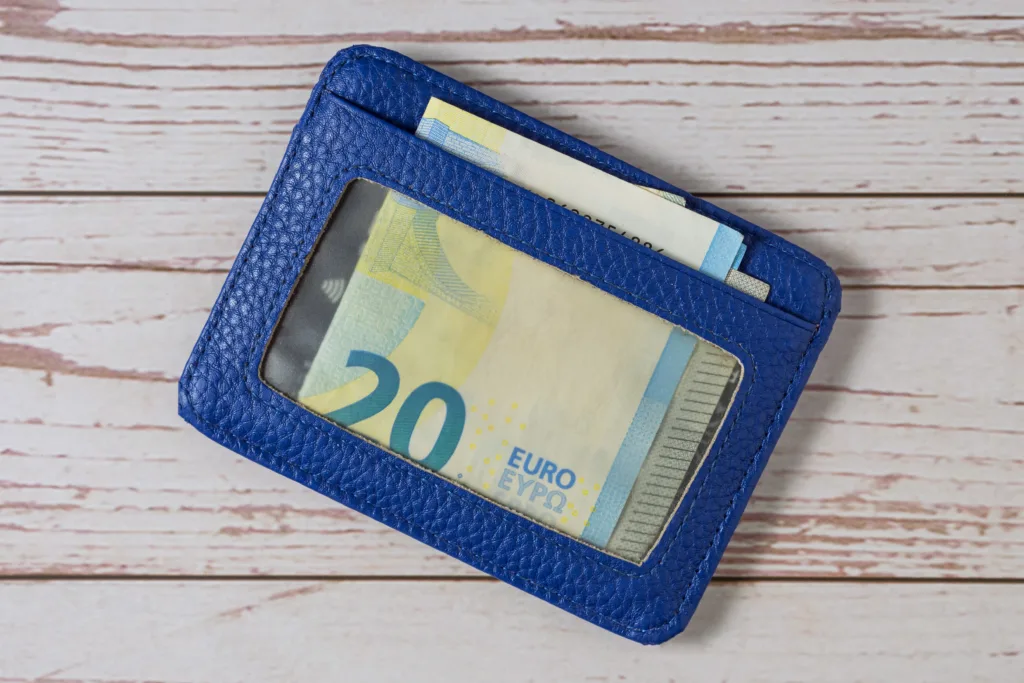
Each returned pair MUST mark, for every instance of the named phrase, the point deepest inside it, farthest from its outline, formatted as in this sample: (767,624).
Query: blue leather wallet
(359,125)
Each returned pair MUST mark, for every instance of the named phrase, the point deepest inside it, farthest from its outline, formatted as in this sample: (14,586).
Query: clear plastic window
(500,372)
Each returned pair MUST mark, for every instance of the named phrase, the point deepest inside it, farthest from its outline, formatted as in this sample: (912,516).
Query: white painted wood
(921,242)
(903,456)
(226,22)
(899,97)
(470,631)
(182,232)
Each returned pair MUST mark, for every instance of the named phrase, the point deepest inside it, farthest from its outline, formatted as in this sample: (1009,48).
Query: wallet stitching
(590,154)
(394,464)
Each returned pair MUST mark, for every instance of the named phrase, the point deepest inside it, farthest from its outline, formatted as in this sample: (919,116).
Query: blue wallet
(356,140)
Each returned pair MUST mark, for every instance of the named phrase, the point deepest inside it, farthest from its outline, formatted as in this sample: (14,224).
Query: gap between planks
(119,267)
(483,578)
(223,194)
(850,270)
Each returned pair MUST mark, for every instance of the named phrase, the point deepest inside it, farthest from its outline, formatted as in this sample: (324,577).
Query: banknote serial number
(610,226)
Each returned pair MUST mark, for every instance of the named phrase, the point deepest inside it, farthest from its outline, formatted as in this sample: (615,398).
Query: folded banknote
(656,219)
(520,382)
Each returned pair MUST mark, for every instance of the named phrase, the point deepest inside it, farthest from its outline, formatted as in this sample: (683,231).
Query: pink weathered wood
(460,631)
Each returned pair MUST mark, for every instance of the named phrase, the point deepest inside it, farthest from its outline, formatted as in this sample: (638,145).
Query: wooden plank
(139,324)
(438,631)
(221,24)
(888,468)
(893,98)
(893,241)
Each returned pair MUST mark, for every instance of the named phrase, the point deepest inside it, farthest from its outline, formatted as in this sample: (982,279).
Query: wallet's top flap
(356,126)
(396,88)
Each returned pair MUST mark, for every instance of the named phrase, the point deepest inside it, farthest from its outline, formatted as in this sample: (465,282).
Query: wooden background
(886,538)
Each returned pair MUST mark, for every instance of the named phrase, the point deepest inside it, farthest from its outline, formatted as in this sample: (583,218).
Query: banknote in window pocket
(499,372)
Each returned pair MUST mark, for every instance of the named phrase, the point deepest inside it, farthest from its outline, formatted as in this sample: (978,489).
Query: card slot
(396,89)
(571,223)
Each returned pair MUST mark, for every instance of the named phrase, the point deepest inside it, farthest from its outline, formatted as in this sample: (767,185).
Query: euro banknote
(656,219)
(504,374)
(632,211)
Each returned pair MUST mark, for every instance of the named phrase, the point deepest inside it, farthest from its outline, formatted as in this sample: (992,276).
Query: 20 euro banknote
(498,371)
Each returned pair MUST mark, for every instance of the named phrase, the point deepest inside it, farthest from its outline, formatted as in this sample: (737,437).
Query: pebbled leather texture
(357,124)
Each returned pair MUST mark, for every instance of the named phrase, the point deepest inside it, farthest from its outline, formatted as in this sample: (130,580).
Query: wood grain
(225,23)
(463,631)
(124,124)
(889,467)
(869,242)
(891,97)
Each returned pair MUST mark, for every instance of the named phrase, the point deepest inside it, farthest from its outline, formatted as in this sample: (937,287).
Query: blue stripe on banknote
(437,133)
(740,253)
(720,255)
(637,442)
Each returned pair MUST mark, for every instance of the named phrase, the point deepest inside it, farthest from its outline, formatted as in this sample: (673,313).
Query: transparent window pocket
(530,387)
